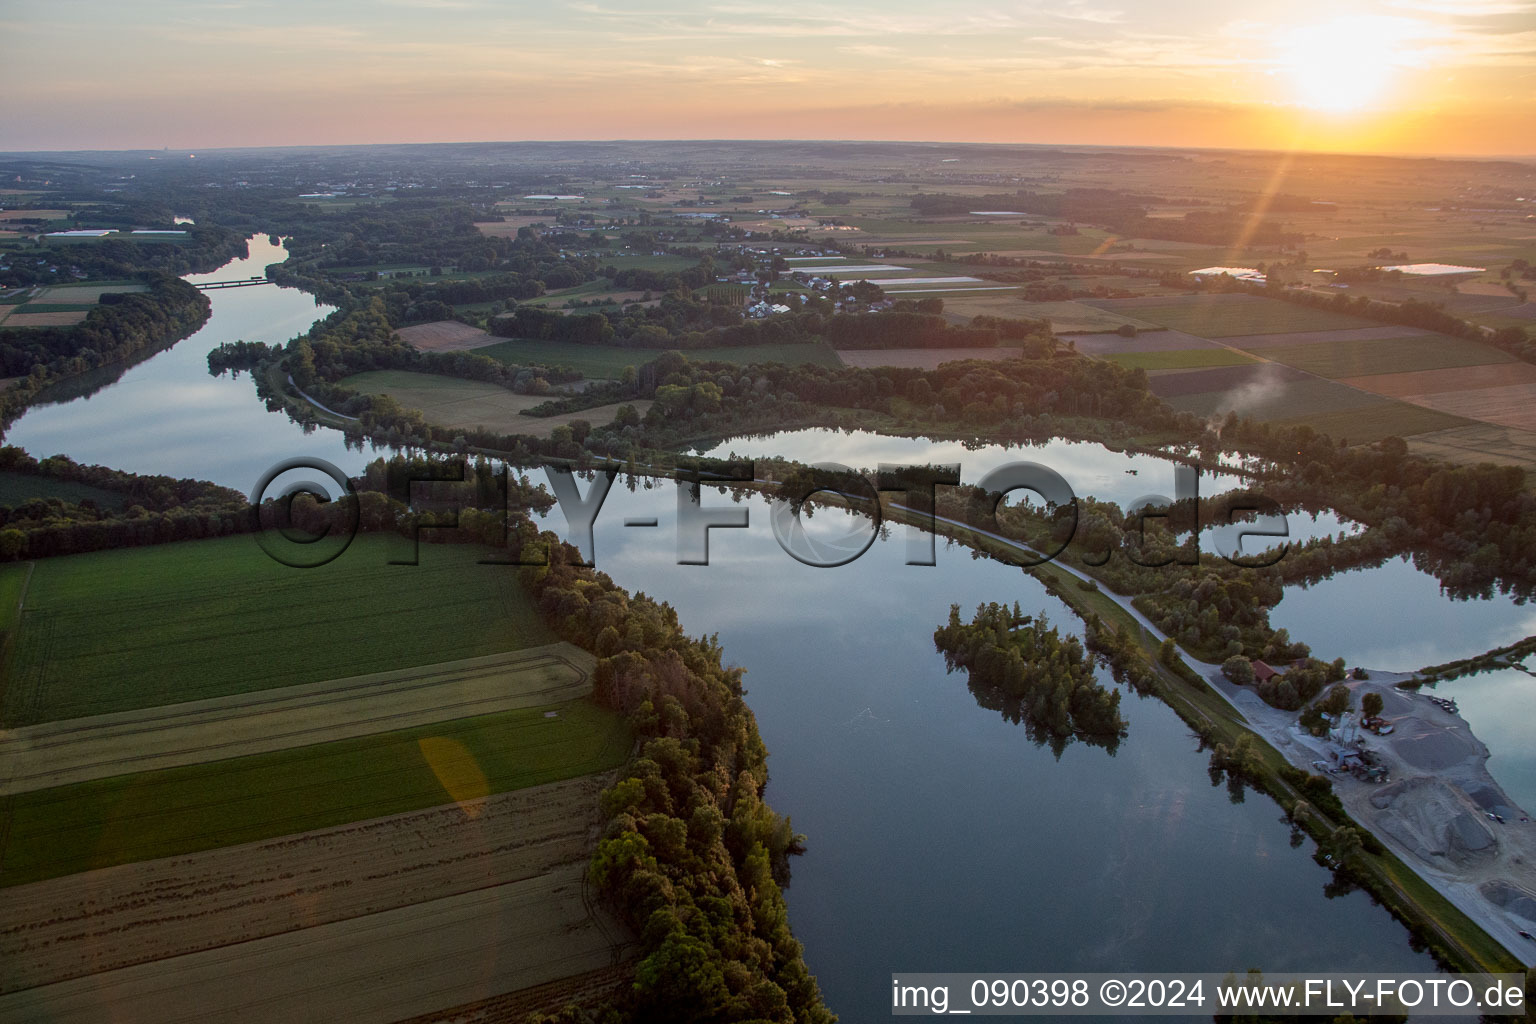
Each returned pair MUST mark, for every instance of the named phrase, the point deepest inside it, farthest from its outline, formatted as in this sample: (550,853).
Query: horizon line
(1396,155)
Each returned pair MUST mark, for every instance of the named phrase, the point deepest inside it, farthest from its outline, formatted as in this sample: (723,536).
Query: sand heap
(1438,822)
(1516,899)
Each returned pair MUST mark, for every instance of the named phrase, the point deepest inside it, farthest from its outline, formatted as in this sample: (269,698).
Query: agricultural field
(88,292)
(1369,423)
(1178,359)
(153,910)
(118,630)
(1258,380)
(1158,340)
(508,227)
(1263,391)
(608,362)
(627,259)
(599,291)
(921,358)
(445,336)
(1072,316)
(1508,406)
(20,316)
(1423,353)
(1470,445)
(14,215)
(83,749)
(171,812)
(58,305)
(466,404)
(1410,383)
(408,963)
(1264,342)
(1228,315)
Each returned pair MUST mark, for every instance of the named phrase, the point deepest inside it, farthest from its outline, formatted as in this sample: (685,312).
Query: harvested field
(81,749)
(176,811)
(508,228)
(1150,341)
(1513,405)
(88,293)
(445,336)
(1470,445)
(142,627)
(376,968)
(1430,382)
(1227,378)
(920,358)
(467,404)
(103,920)
(1373,422)
(59,319)
(1353,359)
(1176,359)
(1229,316)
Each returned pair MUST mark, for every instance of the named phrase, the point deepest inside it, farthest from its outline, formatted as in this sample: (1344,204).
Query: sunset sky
(1422,76)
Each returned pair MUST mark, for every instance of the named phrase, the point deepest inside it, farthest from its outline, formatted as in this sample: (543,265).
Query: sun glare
(1346,65)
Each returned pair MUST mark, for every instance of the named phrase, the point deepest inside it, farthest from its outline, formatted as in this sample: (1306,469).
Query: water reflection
(937,837)
(168,415)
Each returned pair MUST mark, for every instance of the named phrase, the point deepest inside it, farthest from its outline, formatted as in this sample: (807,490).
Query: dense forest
(121,326)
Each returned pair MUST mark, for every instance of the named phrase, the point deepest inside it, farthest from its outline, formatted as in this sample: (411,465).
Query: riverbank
(1428,903)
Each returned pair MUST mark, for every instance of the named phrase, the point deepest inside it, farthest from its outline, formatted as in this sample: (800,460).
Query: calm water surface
(940,837)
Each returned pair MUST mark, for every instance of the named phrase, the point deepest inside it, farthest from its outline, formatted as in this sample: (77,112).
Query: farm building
(1262,673)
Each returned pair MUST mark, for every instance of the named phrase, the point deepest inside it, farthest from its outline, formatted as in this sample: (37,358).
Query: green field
(1179,359)
(145,815)
(1067,317)
(55,307)
(136,628)
(1370,424)
(16,488)
(1225,316)
(1389,355)
(13,581)
(604,361)
(1298,401)
(451,401)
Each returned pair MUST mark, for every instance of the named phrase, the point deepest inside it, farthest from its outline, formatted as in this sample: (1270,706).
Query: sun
(1343,66)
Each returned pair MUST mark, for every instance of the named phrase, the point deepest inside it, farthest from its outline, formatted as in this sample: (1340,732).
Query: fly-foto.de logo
(927,499)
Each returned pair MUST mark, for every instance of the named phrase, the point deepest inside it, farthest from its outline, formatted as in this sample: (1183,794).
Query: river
(168,415)
(941,839)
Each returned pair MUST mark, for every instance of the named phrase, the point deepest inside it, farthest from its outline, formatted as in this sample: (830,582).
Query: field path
(81,749)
